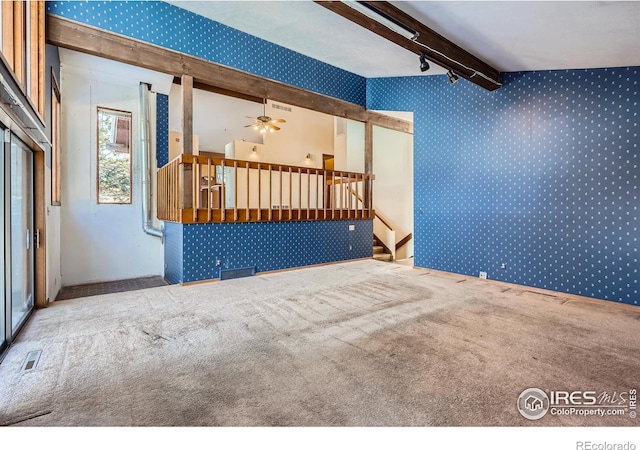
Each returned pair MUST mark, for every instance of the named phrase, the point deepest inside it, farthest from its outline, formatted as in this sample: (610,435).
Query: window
(56,163)
(114,156)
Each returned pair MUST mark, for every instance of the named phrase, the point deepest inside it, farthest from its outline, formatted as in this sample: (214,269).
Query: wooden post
(187,114)
(368,164)
(41,300)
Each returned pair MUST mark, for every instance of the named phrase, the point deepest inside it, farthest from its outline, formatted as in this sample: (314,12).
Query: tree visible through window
(114,156)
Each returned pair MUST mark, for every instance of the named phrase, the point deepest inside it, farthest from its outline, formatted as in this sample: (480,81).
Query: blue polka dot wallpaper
(192,252)
(539,177)
(175,28)
(162,130)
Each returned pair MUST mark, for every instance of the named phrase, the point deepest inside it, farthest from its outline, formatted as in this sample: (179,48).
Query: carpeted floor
(363,343)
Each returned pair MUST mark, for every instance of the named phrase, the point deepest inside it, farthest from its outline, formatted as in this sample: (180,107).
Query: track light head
(424,64)
(452,76)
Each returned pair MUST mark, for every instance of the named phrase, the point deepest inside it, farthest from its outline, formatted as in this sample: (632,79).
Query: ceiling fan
(264,123)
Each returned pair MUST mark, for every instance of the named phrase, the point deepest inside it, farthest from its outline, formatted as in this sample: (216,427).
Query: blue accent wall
(175,28)
(191,251)
(162,130)
(173,252)
(541,174)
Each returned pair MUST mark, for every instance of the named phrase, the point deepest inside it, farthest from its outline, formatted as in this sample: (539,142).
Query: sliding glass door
(4,318)
(22,233)
(16,236)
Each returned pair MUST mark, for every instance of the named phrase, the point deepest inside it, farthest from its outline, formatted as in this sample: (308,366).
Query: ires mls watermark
(534,403)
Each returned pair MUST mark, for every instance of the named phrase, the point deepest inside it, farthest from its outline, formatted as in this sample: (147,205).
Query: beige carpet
(359,343)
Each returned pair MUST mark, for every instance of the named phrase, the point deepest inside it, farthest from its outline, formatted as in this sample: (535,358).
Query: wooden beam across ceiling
(436,48)
(94,41)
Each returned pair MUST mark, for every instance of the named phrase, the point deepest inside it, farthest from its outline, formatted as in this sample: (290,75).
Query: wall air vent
(280,107)
(228,274)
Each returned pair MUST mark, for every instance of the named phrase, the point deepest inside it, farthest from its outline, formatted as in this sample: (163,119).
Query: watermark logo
(533,404)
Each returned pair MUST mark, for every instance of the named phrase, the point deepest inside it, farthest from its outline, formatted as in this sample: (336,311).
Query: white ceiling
(509,35)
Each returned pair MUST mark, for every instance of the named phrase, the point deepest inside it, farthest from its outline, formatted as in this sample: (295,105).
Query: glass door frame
(9,333)
(25,256)
(5,326)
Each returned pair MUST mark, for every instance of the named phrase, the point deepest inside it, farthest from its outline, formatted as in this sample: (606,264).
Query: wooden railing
(200,189)
(387,230)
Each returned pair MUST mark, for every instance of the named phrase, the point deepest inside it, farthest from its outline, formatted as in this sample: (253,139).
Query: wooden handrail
(199,159)
(402,242)
(377,214)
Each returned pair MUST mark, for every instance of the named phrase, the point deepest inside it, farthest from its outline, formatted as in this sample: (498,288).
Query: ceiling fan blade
(278,120)
(249,117)
(250,125)
(273,127)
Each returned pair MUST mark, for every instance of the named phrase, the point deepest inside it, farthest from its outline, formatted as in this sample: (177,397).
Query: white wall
(305,132)
(393,186)
(349,148)
(217,119)
(99,242)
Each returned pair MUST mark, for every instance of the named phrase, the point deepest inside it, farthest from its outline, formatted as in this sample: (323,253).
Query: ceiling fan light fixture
(424,64)
(452,77)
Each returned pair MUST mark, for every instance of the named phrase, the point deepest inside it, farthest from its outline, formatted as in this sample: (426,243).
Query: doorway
(17,236)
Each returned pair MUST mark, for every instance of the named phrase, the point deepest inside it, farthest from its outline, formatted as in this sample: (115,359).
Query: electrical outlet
(217,261)
(483,275)
(503,265)
(352,227)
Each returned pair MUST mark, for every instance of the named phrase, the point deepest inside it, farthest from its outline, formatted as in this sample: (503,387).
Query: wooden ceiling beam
(436,47)
(94,41)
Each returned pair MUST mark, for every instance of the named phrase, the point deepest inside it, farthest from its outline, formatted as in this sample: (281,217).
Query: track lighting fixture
(424,64)
(452,76)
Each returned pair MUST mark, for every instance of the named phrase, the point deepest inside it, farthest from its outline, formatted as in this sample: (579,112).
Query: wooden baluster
(371,196)
(299,193)
(259,193)
(333,194)
(342,197)
(317,181)
(175,190)
(209,193)
(195,189)
(357,196)
(270,194)
(223,194)
(290,194)
(324,194)
(349,194)
(235,200)
(308,191)
(280,206)
(248,218)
